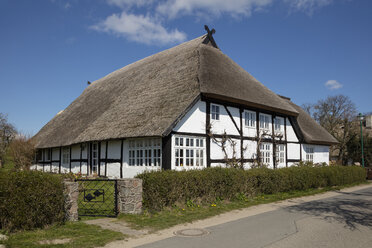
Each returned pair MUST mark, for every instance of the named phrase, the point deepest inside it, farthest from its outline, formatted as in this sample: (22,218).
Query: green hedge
(167,188)
(30,199)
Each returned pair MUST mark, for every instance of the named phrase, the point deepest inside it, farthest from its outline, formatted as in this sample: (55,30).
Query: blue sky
(303,49)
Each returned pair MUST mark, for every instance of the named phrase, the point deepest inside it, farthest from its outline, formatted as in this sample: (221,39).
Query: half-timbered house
(169,110)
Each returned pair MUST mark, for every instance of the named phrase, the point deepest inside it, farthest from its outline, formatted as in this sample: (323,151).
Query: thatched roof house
(151,97)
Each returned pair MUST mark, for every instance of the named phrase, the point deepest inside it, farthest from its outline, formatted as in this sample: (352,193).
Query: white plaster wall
(223,165)
(75,167)
(113,170)
(291,135)
(293,151)
(321,153)
(84,168)
(225,123)
(102,169)
(47,168)
(194,120)
(251,149)
(217,153)
(55,167)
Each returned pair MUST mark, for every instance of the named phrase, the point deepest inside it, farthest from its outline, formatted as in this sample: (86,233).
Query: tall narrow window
(280,154)
(309,154)
(265,151)
(66,155)
(48,154)
(189,153)
(278,123)
(250,119)
(215,112)
(264,121)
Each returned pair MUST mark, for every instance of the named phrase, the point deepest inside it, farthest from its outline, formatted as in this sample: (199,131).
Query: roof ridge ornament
(209,37)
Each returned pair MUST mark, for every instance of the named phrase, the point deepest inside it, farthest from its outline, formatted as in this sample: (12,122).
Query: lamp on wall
(361,118)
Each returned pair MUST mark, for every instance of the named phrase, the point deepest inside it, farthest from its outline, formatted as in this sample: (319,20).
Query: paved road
(344,220)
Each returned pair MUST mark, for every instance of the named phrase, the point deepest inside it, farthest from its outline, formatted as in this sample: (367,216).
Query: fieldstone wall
(130,195)
(71,192)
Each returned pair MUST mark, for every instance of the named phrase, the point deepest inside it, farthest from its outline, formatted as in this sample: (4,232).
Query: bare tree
(7,134)
(272,138)
(22,150)
(337,115)
(225,141)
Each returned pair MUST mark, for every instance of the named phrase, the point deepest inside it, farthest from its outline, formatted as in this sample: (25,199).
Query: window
(39,155)
(309,154)
(66,155)
(144,152)
(280,154)
(47,154)
(264,121)
(215,112)
(265,151)
(250,119)
(278,122)
(189,151)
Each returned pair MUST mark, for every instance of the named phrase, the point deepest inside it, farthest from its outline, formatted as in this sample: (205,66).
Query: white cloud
(67,5)
(143,29)
(307,6)
(333,85)
(175,8)
(129,3)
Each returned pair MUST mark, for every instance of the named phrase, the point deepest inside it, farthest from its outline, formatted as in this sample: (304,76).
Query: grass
(79,233)
(178,215)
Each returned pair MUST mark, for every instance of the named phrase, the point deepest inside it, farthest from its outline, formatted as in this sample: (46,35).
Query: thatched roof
(147,97)
(311,131)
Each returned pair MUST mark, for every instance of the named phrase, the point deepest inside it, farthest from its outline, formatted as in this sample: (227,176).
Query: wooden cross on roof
(209,37)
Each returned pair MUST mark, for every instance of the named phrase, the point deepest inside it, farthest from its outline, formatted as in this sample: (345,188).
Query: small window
(66,155)
(47,154)
(250,119)
(278,124)
(264,121)
(309,154)
(280,154)
(215,112)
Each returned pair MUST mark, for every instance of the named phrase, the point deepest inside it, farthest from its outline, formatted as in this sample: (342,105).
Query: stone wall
(130,195)
(71,192)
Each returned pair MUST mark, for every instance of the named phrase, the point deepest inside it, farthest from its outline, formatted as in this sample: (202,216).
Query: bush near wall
(30,199)
(166,188)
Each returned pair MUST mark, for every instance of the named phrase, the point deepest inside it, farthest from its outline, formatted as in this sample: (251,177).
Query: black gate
(97,197)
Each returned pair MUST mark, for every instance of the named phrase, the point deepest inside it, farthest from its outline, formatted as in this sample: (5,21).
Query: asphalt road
(344,220)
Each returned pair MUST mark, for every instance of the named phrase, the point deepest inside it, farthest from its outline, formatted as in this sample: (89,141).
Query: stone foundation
(130,195)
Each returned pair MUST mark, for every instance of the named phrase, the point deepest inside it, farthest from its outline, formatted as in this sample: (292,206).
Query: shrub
(166,188)
(30,199)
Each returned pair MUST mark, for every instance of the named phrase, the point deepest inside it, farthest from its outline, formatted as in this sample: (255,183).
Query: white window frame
(215,112)
(278,124)
(144,152)
(264,120)
(189,152)
(249,119)
(280,153)
(309,150)
(265,151)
